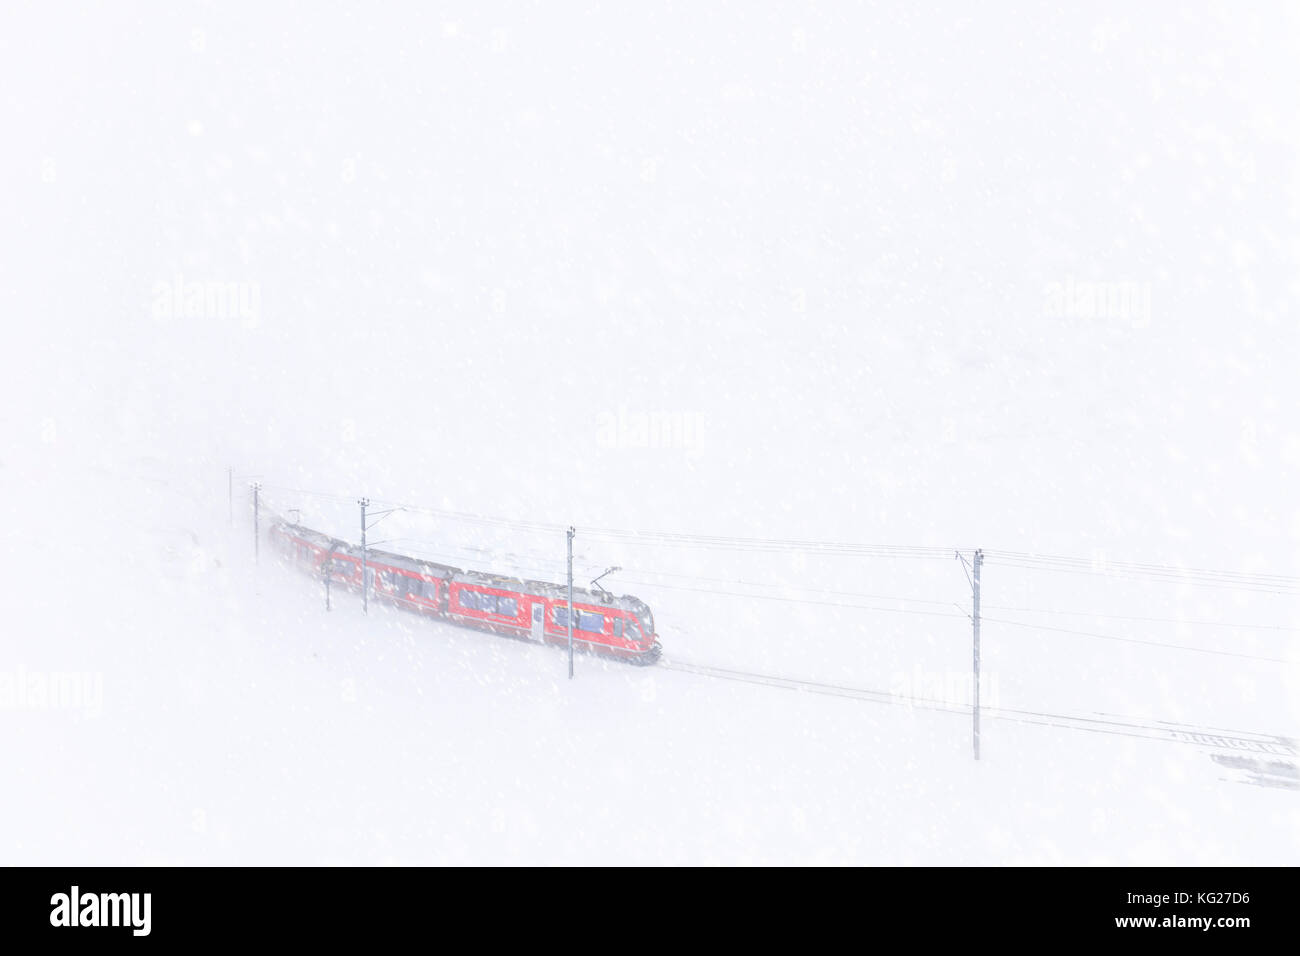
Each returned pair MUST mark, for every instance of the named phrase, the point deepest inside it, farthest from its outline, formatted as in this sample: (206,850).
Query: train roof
(505,582)
(373,555)
(406,562)
(310,535)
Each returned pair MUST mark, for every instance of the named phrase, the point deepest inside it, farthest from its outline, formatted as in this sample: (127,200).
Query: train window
(618,627)
(507,606)
(478,601)
(586,620)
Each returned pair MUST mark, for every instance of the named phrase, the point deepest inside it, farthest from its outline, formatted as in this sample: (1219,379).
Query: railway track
(1216,738)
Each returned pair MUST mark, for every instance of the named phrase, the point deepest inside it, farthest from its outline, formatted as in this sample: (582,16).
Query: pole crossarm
(965,567)
(380,516)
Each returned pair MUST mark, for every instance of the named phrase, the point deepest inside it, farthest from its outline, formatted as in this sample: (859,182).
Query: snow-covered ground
(776,273)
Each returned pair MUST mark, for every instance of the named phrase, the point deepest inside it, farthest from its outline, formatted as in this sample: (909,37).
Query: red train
(619,626)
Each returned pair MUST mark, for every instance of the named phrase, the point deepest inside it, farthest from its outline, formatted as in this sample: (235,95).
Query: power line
(886,597)
(795,600)
(1144,619)
(942,603)
(889,610)
(879,609)
(1235,580)
(1094,564)
(740,594)
(1168,579)
(1134,640)
(723,542)
(1242,579)
(1257,582)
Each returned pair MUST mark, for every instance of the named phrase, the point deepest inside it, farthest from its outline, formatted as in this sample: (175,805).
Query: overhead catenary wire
(1235,580)
(1244,580)
(1144,619)
(1134,640)
(762,597)
(961,615)
(1105,564)
(906,600)
(649,537)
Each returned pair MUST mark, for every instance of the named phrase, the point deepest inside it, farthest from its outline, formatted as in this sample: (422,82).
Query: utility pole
(366,526)
(365,591)
(257,547)
(570,615)
(230,482)
(975,619)
(328,574)
(973,576)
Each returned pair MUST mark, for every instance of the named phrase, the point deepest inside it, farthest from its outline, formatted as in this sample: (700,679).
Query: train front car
(620,627)
(639,630)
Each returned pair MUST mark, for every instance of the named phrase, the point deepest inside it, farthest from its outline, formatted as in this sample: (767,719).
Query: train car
(407,582)
(621,626)
(302,547)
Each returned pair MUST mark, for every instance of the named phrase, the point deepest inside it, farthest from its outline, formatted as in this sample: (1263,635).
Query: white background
(833,239)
